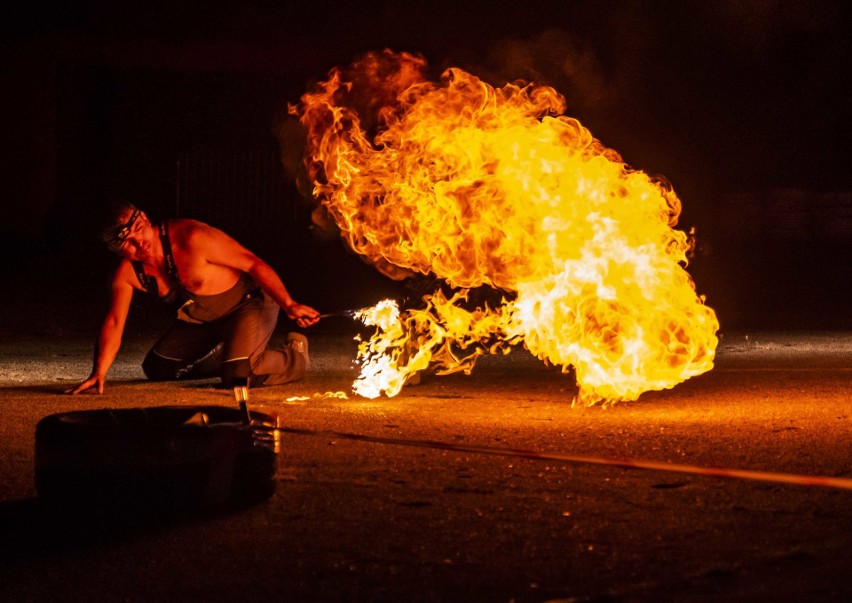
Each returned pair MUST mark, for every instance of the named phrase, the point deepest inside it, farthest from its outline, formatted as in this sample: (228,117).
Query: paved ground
(362,521)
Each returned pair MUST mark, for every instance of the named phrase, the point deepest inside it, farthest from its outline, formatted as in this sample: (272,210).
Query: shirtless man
(231,299)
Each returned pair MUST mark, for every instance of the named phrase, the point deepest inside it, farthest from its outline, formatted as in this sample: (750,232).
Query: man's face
(134,237)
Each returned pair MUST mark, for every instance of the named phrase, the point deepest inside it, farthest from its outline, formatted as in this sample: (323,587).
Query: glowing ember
(316,396)
(486,186)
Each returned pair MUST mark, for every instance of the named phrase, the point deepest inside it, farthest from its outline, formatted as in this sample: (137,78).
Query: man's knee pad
(160,368)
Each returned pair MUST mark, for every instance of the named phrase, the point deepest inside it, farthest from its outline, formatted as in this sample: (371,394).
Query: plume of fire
(485,186)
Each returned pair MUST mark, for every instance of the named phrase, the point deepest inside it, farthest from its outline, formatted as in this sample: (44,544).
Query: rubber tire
(154,459)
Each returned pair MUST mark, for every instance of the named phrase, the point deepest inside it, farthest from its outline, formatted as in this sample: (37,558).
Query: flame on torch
(484,186)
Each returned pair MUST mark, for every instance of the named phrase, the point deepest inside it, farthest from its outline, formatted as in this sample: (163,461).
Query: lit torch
(496,187)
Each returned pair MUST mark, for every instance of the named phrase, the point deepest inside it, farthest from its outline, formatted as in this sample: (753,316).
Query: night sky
(727,99)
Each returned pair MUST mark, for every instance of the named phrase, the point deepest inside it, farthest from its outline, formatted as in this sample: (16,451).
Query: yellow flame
(495,187)
(442,335)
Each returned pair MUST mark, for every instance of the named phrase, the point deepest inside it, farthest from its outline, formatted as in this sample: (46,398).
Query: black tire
(168,458)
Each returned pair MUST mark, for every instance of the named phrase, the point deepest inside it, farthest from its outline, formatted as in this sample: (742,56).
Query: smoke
(554,58)
(758,26)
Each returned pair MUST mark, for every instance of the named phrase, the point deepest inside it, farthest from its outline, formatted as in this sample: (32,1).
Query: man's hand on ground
(95,381)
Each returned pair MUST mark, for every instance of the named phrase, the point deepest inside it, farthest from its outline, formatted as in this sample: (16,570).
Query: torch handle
(352,312)
(347,313)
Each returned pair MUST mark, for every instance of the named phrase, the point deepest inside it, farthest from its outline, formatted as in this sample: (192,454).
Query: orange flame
(495,186)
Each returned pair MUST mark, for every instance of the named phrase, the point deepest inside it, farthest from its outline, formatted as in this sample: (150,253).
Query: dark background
(176,105)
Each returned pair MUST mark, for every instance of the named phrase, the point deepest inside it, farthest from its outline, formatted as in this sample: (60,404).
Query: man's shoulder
(196,237)
(186,225)
(183,230)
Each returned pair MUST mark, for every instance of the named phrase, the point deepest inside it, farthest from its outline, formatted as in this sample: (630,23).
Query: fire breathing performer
(230,304)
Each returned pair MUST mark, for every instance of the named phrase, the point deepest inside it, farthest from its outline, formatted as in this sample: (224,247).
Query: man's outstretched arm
(219,248)
(109,339)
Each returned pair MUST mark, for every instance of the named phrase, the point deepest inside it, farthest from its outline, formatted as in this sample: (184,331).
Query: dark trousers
(234,346)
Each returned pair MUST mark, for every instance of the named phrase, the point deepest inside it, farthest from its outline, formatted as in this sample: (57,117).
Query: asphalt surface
(366,521)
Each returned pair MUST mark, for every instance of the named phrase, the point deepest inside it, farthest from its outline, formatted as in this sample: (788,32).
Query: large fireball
(484,186)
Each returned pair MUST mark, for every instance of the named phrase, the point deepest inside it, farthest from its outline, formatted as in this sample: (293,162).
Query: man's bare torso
(192,250)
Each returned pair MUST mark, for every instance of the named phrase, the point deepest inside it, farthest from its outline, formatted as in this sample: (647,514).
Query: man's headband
(122,231)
